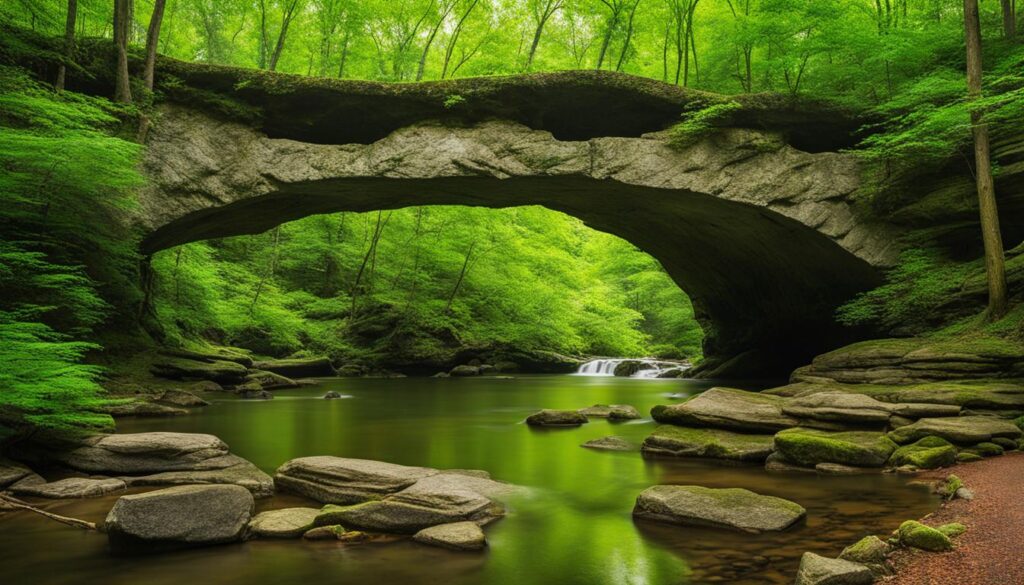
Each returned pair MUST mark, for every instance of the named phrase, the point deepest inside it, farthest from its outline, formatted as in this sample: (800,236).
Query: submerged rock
(331,532)
(612,443)
(332,395)
(72,487)
(809,447)
(299,367)
(556,418)
(733,508)
(456,536)
(818,570)
(610,411)
(730,409)
(713,443)
(284,523)
(964,430)
(179,516)
(248,394)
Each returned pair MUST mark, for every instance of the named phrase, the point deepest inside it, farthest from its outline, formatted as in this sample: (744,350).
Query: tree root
(12,502)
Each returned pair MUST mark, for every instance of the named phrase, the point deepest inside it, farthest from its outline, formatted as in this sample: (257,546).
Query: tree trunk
(286,21)
(446,10)
(122,89)
(994,262)
(549,9)
(152,38)
(462,276)
(264,40)
(344,55)
(1009,19)
(629,38)
(69,43)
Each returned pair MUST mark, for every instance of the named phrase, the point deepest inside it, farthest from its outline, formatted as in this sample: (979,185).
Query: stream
(575,528)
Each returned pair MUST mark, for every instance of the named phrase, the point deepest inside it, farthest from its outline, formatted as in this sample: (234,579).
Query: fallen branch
(18,504)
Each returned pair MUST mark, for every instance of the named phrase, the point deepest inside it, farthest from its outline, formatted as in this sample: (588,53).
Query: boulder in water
(338,480)
(712,443)
(249,394)
(179,517)
(332,395)
(610,444)
(456,536)
(181,398)
(818,570)
(284,523)
(610,411)
(465,371)
(732,508)
(270,380)
(72,487)
(730,409)
(11,472)
(299,367)
(556,418)
(809,447)
(224,372)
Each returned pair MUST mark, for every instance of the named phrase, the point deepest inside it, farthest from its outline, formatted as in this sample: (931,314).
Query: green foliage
(454,101)
(437,279)
(915,288)
(698,124)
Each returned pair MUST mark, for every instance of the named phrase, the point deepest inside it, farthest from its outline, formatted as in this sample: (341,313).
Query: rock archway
(755,221)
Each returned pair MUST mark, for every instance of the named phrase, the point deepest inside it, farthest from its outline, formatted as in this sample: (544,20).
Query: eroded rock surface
(456,536)
(731,409)
(732,508)
(714,443)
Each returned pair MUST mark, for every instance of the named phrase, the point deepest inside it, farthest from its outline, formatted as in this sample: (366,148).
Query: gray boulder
(338,480)
(238,472)
(180,516)
(839,407)
(140,408)
(285,523)
(818,570)
(147,453)
(963,430)
(465,371)
(11,472)
(610,444)
(72,487)
(270,380)
(610,411)
(456,536)
(556,418)
(712,443)
(731,409)
(732,508)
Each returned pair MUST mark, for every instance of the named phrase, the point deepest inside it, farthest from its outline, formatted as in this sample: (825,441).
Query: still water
(575,528)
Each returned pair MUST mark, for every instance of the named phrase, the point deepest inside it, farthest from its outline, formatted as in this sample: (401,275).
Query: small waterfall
(646,367)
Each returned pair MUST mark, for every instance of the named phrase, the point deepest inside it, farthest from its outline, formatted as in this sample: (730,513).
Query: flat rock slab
(818,570)
(182,398)
(809,447)
(339,480)
(732,508)
(840,407)
(147,453)
(925,399)
(186,369)
(612,443)
(556,418)
(11,472)
(179,516)
(141,408)
(963,430)
(241,473)
(713,443)
(456,536)
(286,523)
(73,487)
(731,409)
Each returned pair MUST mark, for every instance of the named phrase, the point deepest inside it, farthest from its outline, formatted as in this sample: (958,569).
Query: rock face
(73,487)
(155,459)
(456,536)
(795,247)
(731,409)
(179,516)
(810,447)
(818,570)
(384,497)
(298,368)
(285,523)
(733,508)
(556,418)
(184,369)
(714,443)
(963,430)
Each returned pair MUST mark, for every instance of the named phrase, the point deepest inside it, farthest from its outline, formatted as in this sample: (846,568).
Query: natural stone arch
(762,236)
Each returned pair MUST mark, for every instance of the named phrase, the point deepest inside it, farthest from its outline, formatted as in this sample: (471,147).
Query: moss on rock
(953,529)
(985,449)
(916,535)
(711,443)
(869,550)
(927,453)
(809,447)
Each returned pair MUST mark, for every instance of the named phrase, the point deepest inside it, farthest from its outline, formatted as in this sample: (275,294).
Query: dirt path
(991,552)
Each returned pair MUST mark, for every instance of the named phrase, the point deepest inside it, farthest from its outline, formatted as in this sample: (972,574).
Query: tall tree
(290,10)
(629,36)
(612,23)
(69,43)
(122,24)
(152,40)
(454,37)
(994,262)
(1009,18)
(541,11)
(445,7)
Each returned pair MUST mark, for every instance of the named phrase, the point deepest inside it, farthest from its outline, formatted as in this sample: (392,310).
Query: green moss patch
(809,447)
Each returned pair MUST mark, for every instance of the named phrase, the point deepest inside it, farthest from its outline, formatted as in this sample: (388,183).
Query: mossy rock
(916,535)
(985,449)
(965,457)
(809,447)
(928,453)
(659,414)
(953,529)
(1006,444)
(712,443)
(869,550)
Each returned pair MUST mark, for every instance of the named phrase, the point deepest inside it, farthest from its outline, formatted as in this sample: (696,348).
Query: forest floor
(991,552)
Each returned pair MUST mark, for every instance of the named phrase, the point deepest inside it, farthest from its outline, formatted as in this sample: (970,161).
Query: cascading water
(640,367)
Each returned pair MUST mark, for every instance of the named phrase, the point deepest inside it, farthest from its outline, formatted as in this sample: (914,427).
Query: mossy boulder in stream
(818,570)
(809,447)
(733,508)
(556,418)
(869,550)
(284,523)
(731,409)
(962,430)
(713,443)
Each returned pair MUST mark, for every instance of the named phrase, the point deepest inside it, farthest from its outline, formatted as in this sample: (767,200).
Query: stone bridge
(755,221)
